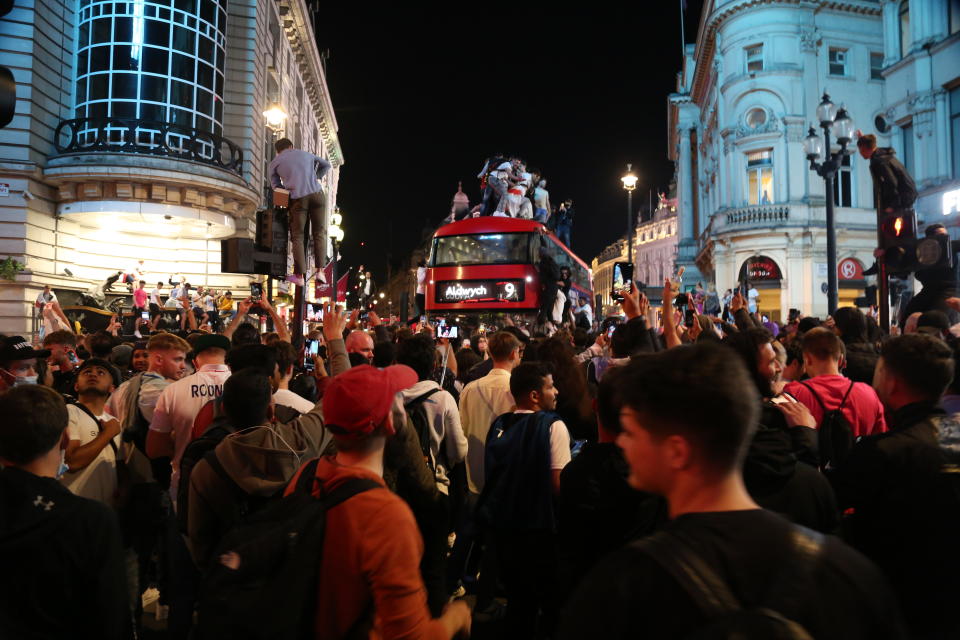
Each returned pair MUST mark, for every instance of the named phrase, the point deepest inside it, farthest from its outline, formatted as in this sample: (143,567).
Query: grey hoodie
(260,461)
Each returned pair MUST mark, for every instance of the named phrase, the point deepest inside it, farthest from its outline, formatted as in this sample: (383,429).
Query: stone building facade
(141,133)
(745,97)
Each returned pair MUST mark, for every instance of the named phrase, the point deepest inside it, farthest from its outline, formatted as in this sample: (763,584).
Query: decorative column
(688,242)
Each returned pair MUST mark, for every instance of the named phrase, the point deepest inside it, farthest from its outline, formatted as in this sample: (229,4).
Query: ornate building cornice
(297,26)
(711,19)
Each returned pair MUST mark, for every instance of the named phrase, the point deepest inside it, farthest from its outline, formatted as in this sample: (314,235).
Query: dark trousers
(433,521)
(179,589)
(310,208)
(421,302)
(472,552)
(528,566)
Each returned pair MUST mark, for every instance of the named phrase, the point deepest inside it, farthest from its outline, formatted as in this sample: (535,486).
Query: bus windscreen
(481,249)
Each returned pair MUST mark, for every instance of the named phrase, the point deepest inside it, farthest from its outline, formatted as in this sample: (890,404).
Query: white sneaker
(295,279)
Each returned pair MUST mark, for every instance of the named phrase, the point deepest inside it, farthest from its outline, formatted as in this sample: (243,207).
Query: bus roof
(501,224)
(488,224)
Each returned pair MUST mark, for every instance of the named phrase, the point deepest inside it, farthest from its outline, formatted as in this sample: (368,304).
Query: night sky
(421,101)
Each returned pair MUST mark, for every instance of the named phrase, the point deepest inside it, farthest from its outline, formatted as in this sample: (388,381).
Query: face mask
(63,468)
(24,380)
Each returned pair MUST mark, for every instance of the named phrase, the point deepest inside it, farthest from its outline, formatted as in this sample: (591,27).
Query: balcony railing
(124,135)
(758,215)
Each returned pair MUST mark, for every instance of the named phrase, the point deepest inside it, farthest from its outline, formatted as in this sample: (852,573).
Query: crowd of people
(654,474)
(509,189)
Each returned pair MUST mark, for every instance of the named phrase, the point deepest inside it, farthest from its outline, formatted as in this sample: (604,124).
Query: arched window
(905,39)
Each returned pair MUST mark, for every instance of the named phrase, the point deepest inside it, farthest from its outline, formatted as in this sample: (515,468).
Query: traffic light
(934,252)
(898,239)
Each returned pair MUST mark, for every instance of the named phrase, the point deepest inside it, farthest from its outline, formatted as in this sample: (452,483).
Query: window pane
(123,59)
(182,67)
(876,66)
(81,91)
(155,60)
(181,94)
(205,49)
(753,186)
(122,29)
(82,61)
(124,86)
(156,112)
(906,40)
(184,40)
(204,103)
(955,136)
(908,148)
(153,88)
(766,186)
(124,109)
(99,85)
(101,30)
(205,75)
(157,33)
(99,59)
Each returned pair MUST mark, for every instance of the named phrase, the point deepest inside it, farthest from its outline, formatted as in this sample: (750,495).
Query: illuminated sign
(476,291)
(951,202)
(762,268)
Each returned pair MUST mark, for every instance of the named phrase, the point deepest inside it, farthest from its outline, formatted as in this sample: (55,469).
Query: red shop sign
(850,269)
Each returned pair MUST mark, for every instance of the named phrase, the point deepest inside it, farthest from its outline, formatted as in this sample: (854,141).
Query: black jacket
(906,511)
(795,490)
(62,562)
(599,511)
(861,361)
(894,187)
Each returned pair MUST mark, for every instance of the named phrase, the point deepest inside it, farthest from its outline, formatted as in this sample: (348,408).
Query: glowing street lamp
(629,181)
(275,116)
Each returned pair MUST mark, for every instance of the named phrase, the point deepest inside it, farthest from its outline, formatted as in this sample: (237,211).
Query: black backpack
(727,618)
(263,578)
(421,424)
(196,451)
(835,436)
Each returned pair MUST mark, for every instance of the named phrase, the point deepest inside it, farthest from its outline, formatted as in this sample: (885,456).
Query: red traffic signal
(897,227)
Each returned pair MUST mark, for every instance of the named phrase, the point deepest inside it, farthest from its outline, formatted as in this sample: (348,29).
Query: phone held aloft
(622,280)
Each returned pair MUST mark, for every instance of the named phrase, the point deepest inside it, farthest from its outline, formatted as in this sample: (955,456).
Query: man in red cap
(372,547)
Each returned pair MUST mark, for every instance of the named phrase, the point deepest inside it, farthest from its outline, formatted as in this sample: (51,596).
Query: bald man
(361,343)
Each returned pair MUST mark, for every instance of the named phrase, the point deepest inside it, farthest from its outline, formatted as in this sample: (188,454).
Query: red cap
(358,400)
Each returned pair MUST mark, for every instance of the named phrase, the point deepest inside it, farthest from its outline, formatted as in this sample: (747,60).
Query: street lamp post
(629,183)
(838,122)
(335,231)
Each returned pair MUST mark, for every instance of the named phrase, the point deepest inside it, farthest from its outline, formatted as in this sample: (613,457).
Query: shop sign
(850,269)
(762,268)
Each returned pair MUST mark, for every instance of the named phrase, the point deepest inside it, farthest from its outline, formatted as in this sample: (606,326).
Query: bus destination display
(473,291)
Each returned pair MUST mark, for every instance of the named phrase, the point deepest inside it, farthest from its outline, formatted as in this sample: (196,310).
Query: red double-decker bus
(489,265)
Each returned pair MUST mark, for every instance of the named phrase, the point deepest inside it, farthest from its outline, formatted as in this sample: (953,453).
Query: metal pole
(832,293)
(333,274)
(630,226)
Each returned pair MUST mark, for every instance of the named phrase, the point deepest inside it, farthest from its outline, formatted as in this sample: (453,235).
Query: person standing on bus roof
(565,221)
(541,200)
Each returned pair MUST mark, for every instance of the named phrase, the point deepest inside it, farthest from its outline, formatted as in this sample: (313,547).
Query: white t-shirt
(752,296)
(155,296)
(178,406)
(287,398)
(504,170)
(559,443)
(209,303)
(98,480)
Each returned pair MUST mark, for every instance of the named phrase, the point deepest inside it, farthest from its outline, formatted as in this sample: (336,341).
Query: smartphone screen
(256,290)
(622,280)
(311,348)
(144,315)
